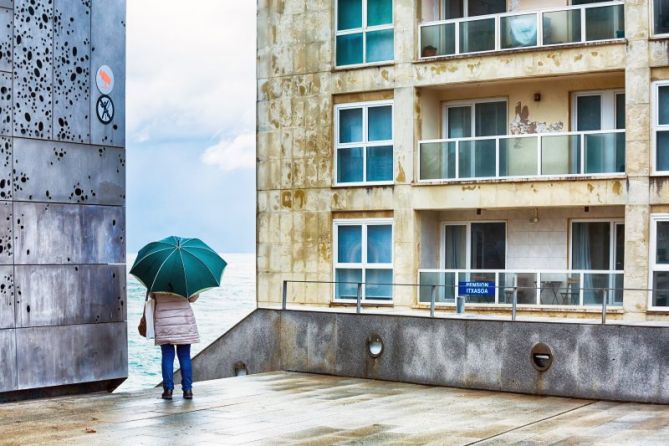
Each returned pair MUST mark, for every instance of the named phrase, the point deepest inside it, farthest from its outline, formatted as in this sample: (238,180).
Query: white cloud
(239,153)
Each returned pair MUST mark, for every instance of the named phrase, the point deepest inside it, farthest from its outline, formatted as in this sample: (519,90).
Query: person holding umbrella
(175,271)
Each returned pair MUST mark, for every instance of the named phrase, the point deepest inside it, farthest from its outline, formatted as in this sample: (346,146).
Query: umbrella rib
(218,281)
(181,257)
(137,262)
(205,248)
(158,272)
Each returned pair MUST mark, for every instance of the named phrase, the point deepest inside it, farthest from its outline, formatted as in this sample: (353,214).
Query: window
(661,16)
(364,32)
(456,9)
(363,254)
(659,261)
(661,126)
(364,143)
(476,246)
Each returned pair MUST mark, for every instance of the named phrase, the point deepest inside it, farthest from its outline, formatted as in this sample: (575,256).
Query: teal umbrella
(175,265)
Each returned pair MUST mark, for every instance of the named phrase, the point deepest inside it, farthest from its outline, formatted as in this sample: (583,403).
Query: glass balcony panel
(477,35)
(598,285)
(559,289)
(523,284)
(518,31)
(445,291)
(438,40)
(604,23)
(380,45)
(560,155)
(518,156)
(347,290)
(437,160)
(562,27)
(603,154)
(349,49)
(477,158)
(379,284)
(474,276)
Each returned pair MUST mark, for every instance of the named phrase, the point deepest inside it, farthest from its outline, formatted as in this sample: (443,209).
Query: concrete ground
(293,408)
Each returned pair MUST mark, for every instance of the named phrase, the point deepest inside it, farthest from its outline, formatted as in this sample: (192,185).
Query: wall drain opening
(374,346)
(240,369)
(541,357)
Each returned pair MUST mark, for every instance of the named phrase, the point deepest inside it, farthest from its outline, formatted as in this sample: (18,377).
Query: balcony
(600,152)
(522,29)
(498,287)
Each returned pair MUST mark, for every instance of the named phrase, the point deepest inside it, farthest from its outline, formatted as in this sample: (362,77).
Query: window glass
(350,125)
(380,126)
(590,245)
(488,245)
(661,16)
(350,165)
(380,163)
(490,118)
(663,105)
(661,289)
(662,242)
(349,14)
(380,45)
(379,244)
(483,7)
(459,122)
(379,284)
(620,111)
(348,289)
(662,151)
(588,113)
(620,247)
(455,247)
(379,12)
(349,49)
(453,9)
(349,240)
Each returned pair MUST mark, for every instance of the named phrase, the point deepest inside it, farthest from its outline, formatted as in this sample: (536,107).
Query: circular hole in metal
(374,346)
(240,369)
(541,357)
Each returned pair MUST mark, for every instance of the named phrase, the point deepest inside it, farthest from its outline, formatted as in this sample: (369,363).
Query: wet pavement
(295,408)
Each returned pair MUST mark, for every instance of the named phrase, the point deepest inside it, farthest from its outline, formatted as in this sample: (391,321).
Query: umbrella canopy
(175,265)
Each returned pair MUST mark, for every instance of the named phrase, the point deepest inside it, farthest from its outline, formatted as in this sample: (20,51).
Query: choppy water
(216,311)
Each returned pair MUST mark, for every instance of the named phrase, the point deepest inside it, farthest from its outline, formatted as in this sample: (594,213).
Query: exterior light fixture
(537,97)
(541,357)
(240,369)
(374,346)
(478,211)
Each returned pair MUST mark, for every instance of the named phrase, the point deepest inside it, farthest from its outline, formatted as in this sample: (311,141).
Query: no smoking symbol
(105,109)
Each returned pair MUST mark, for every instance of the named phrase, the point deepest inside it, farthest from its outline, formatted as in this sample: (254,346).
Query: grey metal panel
(6,104)
(108,48)
(6,4)
(59,172)
(33,68)
(8,360)
(67,295)
(54,356)
(68,234)
(72,68)
(6,297)
(6,35)
(6,233)
(6,167)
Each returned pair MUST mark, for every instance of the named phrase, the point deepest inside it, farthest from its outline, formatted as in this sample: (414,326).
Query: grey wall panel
(6,3)
(8,360)
(68,173)
(6,114)
(67,295)
(309,345)
(6,146)
(6,36)
(33,68)
(84,353)
(6,233)
(6,297)
(72,48)
(74,234)
(108,48)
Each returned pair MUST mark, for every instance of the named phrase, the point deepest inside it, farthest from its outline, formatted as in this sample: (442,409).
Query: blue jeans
(183,352)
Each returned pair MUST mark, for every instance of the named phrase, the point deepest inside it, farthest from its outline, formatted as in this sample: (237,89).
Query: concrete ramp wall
(614,362)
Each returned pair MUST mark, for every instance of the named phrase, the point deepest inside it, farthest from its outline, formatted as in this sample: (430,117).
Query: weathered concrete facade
(62,196)
(300,198)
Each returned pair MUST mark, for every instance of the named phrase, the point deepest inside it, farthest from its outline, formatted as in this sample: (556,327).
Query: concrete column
(638,158)
(405,29)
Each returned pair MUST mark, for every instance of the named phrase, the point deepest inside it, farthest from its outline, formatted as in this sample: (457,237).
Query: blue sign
(476,289)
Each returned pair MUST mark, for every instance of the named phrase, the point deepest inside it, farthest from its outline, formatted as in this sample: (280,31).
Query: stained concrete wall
(62,197)
(614,362)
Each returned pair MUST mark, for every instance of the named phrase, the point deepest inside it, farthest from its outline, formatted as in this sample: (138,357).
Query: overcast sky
(191,122)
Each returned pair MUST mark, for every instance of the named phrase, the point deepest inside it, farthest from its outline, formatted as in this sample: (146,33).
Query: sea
(216,311)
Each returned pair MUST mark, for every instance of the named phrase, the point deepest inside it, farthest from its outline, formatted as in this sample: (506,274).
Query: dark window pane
(380,123)
(491,118)
(620,247)
(349,241)
(349,14)
(562,27)
(662,242)
(519,31)
(348,289)
(590,246)
(483,7)
(588,113)
(379,12)
(350,125)
(459,122)
(349,165)
(663,105)
(379,244)
(380,163)
(379,284)
(661,289)
(455,249)
(477,35)
(454,9)
(488,245)
(604,23)
(620,111)
(349,49)
(661,13)
(662,150)
(380,46)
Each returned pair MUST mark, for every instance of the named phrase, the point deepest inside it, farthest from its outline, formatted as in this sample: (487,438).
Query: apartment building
(499,149)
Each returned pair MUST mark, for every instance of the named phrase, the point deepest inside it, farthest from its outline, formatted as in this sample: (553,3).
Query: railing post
(460,304)
(359,299)
(514,304)
(433,299)
(284,295)
(604,297)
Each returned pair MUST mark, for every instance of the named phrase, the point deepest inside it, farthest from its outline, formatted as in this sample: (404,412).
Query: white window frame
(364,144)
(613,224)
(364,30)
(651,20)
(655,123)
(363,265)
(652,258)
(471,103)
(468,256)
(608,110)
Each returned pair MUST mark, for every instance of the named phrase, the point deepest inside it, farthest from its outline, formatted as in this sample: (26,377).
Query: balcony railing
(565,288)
(523,29)
(599,152)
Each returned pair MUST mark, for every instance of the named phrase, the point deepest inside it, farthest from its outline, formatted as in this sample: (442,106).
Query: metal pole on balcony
(359,299)
(514,304)
(604,297)
(284,295)
(433,299)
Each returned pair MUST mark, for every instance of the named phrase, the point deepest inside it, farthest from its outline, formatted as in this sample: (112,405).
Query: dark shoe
(167,394)
(188,394)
